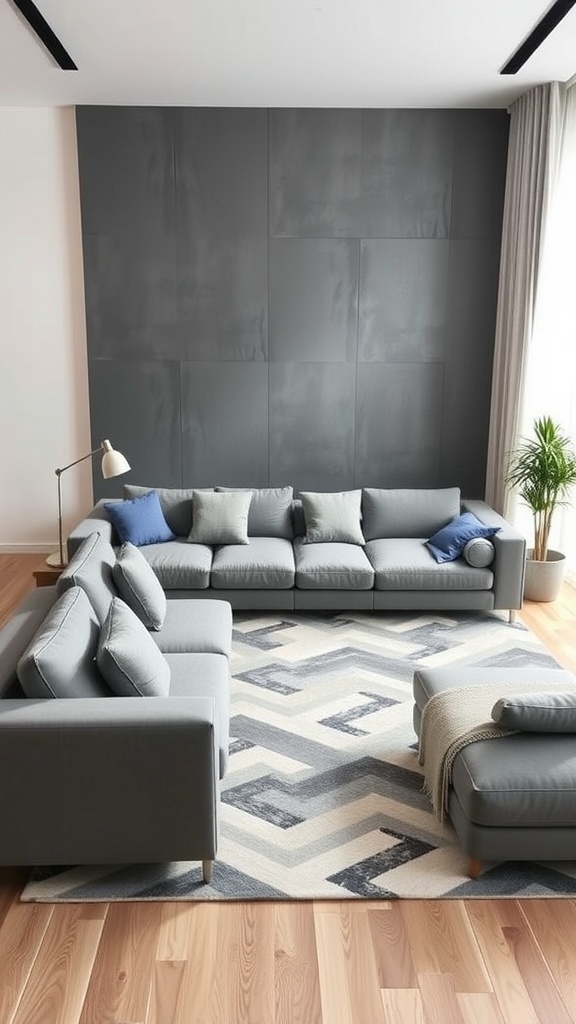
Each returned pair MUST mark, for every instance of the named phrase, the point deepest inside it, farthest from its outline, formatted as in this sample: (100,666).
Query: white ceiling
(278,53)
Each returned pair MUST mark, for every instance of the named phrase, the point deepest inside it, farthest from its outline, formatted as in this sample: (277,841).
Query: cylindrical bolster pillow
(479,552)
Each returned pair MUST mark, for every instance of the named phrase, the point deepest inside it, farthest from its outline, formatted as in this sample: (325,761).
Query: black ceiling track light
(45,34)
(537,36)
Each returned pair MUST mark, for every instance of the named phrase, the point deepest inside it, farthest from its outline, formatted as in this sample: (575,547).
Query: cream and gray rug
(323,797)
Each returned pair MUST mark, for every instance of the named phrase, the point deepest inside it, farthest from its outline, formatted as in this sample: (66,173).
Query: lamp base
(54,561)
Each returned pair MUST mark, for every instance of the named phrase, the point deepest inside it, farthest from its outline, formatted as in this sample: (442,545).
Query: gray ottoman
(512,798)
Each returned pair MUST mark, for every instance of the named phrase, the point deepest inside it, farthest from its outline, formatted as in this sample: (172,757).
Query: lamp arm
(59,474)
(76,461)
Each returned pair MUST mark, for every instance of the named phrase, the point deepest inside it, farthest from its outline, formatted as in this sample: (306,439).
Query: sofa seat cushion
(406,564)
(179,564)
(60,659)
(194,625)
(267,563)
(330,566)
(91,568)
(525,780)
(205,675)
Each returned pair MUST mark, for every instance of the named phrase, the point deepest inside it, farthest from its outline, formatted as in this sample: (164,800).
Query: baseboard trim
(27,549)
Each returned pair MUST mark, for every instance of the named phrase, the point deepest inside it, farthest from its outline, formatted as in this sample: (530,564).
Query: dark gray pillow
(129,660)
(59,660)
(220,517)
(270,512)
(332,517)
(479,552)
(139,586)
(537,712)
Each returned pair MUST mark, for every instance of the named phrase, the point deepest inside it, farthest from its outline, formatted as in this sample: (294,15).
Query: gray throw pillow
(220,517)
(537,712)
(59,660)
(139,586)
(128,658)
(270,512)
(479,552)
(332,517)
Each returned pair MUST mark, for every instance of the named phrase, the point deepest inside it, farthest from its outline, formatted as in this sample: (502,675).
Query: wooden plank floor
(402,962)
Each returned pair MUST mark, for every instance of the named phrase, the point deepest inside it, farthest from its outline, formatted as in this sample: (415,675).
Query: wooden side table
(47,576)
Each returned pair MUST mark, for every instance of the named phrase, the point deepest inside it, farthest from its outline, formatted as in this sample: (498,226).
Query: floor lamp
(113,464)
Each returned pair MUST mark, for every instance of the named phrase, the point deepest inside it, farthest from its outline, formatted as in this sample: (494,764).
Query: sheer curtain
(533,151)
(550,363)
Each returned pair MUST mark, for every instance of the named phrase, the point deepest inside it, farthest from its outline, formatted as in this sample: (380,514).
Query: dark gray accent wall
(292,296)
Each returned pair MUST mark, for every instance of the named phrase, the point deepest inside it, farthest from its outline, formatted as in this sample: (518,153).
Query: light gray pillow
(332,517)
(59,660)
(400,512)
(91,568)
(537,712)
(479,552)
(220,517)
(270,512)
(139,586)
(128,658)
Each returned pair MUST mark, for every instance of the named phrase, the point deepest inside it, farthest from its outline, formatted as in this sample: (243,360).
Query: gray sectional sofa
(357,550)
(96,776)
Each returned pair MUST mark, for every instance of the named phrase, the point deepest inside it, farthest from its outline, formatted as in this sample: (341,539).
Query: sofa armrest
(509,563)
(96,521)
(108,780)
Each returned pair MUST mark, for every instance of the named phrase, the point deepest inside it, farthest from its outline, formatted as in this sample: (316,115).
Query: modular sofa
(512,798)
(358,550)
(113,718)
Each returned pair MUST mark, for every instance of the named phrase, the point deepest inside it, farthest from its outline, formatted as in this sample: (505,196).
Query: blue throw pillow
(139,520)
(449,542)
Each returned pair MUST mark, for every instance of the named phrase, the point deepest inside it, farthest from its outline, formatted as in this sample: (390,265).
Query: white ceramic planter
(544,579)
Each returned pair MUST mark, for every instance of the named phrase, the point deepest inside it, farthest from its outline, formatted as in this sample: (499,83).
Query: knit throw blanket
(455,718)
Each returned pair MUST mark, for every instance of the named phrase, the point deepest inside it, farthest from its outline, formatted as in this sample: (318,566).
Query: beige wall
(44,420)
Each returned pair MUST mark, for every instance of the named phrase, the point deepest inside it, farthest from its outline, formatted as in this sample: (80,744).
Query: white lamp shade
(113,462)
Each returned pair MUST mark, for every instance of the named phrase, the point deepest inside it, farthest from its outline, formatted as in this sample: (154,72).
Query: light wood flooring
(406,962)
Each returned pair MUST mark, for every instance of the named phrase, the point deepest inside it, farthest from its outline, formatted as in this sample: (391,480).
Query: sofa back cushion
(175,502)
(139,586)
(60,659)
(401,512)
(91,568)
(270,513)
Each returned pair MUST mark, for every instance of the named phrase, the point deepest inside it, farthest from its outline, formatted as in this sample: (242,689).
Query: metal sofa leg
(474,867)
(207,866)
(512,615)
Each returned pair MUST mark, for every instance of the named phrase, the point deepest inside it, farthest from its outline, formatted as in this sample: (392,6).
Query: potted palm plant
(542,470)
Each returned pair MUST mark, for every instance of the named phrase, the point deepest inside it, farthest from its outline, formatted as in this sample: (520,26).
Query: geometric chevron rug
(323,796)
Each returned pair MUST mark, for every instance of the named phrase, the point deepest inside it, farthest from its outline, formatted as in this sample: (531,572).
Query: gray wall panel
(323,323)
(403,300)
(399,424)
(312,424)
(293,296)
(225,424)
(136,404)
(407,169)
(315,173)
